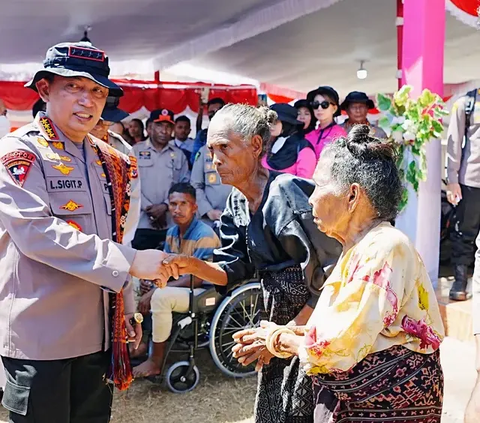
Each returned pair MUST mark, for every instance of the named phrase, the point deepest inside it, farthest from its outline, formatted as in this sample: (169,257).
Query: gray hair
(247,121)
(371,163)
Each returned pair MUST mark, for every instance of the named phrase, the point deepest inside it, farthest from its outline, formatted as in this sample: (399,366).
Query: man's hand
(145,286)
(134,332)
(147,264)
(214,214)
(157,211)
(454,194)
(144,304)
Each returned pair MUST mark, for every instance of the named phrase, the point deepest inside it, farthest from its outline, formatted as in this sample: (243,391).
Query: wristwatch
(138,317)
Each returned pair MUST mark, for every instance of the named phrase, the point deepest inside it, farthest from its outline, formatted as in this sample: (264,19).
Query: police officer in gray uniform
(211,193)
(112,114)
(161,165)
(60,265)
(463,189)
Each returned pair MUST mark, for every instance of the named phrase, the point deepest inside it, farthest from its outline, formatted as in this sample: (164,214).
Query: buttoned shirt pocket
(175,166)
(74,208)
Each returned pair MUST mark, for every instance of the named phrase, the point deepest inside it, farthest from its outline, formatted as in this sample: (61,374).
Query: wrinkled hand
(214,214)
(454,194)
(147,264)
(144,304)
(134,333)
(175,265)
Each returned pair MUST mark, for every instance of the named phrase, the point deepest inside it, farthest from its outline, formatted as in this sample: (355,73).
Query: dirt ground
(217,398)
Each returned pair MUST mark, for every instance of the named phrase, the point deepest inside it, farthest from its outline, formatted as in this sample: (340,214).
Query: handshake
(159,267)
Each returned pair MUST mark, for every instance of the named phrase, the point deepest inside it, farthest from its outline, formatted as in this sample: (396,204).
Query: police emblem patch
(71,206)
(74,225)
(63,168)
(18,165)
(145,154)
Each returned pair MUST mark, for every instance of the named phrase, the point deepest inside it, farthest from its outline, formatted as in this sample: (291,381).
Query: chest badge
(42,142)
(145,154)
(59,145)
(55,156)
(71,206)
(98,162)
(63,168)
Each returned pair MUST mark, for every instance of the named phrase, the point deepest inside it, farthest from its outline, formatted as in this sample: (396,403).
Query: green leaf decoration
(383,102)
(384,123)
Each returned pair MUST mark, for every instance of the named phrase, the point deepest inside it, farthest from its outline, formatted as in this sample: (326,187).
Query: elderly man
(357,105)
(68,207)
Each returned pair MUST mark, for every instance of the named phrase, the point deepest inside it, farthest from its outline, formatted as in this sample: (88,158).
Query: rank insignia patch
(71,206)
(74,225)
(49,128)
(63,168)
(18,165)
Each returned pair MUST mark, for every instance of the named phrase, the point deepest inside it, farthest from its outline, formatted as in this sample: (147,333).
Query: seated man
(188,236)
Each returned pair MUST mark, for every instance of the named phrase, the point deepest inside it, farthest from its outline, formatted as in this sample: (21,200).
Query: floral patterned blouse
(379,295)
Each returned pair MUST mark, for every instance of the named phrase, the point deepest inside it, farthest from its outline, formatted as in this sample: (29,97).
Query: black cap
(357,97)
(162,115)
(111,112)
(286,113)
(80,59)
(326,90)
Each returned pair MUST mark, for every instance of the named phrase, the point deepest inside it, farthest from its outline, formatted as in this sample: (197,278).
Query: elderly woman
(267,227)
(373,340)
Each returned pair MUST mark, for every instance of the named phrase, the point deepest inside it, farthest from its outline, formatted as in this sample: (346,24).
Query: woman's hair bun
(362,143)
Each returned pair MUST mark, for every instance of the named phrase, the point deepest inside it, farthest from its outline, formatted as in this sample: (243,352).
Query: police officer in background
(211,193)
(65,197)
(463,189)
(161,165)
(112,114)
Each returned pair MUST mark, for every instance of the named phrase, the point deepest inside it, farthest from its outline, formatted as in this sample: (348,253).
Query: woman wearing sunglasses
(325,104)
(288,150)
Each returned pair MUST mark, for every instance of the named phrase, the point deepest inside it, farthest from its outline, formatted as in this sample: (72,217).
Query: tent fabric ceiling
(266,40)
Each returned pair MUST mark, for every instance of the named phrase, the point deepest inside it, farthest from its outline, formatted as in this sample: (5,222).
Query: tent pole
(399,23)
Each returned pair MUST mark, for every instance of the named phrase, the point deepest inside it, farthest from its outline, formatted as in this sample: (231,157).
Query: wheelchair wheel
(241,310)
(181,377)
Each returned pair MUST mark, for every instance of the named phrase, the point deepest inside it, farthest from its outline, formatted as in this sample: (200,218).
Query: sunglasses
(324,105)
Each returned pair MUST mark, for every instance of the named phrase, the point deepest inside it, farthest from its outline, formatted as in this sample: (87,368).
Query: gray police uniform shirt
(211,193)
(58,262)
(463,165)
(117,142)
(159,171)
(377,131)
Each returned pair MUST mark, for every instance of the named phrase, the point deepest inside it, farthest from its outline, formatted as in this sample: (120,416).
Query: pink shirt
(319,138)
(303,167)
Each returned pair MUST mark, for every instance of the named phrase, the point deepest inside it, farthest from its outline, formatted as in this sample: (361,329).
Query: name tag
(66,184)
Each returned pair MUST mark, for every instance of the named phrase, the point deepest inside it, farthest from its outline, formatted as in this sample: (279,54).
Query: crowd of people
(103,225)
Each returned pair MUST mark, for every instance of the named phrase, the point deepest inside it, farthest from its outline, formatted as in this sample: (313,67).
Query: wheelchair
(211,321)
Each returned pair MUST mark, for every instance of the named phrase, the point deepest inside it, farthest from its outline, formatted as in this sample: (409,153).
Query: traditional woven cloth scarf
(118,171)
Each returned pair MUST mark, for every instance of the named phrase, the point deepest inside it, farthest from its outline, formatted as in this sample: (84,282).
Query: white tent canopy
(296,44)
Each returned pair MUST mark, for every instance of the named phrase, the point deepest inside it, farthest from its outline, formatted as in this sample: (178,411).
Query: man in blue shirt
(189,236)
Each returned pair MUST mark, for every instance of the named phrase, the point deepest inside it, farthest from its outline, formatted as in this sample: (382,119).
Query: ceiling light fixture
(362,73)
